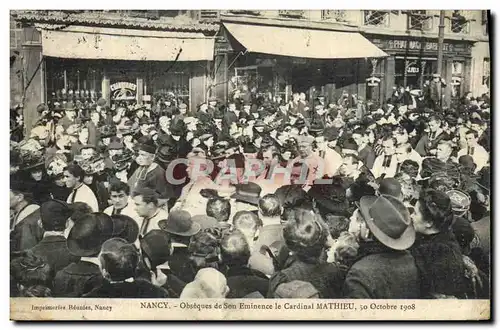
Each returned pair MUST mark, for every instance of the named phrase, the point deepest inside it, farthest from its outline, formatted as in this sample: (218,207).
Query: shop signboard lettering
(373,81)
(412,68)
(123,90)
(418,45)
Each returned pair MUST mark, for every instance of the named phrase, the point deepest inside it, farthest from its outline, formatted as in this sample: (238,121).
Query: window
(459,23)
(419,20)
(208,15)
(16,31)
(333,15)
(376,17)
(292,13)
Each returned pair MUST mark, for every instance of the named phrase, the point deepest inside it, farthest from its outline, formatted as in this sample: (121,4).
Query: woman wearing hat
(384,269)
(436,251)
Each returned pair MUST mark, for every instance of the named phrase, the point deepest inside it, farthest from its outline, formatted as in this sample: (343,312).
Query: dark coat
(155,180)
(325,277)
(77,279)
(382,273)
(439,261)
(54,251)
(139,288)
(27,233)
(242,281)
(424,145)
(58,192)
(204,117)
(367,156)
(229,118)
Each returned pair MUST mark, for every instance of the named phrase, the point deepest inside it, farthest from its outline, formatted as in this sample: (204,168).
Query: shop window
(376,17)
(68,82)
(172,82)
(457,76)
(292,13)
(459,23)
(419,20)
(333,15)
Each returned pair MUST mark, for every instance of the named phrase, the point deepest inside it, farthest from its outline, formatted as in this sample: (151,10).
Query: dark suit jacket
(27,233)
(54,251)
(325,277)
(384,275)
(424,145)
(243,281)
(229,118)
(138,289)
(77,279)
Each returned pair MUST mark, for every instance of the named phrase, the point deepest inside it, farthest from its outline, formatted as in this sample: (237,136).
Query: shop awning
(126,44)
(307,43)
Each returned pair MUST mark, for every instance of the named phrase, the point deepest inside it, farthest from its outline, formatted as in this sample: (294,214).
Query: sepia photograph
(250,165)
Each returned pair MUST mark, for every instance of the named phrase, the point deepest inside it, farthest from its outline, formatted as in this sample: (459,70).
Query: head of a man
(443,151)
(401,136)
(270,206)
(235,249)
(360,136)
(146,202)
(118,260)
(219,208)
(434,123)
(248,223)
(389,145)
(402,152)
(471,137)
(119,193)
(73,175)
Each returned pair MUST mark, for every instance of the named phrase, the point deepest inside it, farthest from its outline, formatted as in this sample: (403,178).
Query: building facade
(141,55)
(121,56)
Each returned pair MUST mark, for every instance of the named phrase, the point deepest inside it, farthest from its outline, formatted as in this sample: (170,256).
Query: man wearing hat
(386,270)
(84,241)
(149,174)
(25,231)
(203,114)
(52,248)
(437,89)
(69,115)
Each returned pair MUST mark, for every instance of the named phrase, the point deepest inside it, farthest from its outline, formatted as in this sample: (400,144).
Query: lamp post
(440,43)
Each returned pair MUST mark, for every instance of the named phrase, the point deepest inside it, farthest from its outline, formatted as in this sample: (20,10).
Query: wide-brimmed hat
(296,290)
(31,160)
(125,227)
(179,223)
(389,220)
(248,193)
(87,235)
(155,245)
(166,153)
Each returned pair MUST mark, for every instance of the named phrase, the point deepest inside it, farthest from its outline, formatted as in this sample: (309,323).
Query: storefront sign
(418,45)
(123,91)
(412,68)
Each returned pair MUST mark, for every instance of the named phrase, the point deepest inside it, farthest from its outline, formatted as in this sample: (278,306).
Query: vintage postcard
(250,165)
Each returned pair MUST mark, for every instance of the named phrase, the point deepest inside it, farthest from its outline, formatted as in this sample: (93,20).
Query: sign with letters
(422,45)
(123,91)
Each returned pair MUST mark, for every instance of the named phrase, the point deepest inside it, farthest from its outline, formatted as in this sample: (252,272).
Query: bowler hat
(248,192)
(148,146)
(179,223)
(87,235)
(125,227)
(389,221)
(390,186)
(107,131)
(54,214)
(166,153)
(155,245)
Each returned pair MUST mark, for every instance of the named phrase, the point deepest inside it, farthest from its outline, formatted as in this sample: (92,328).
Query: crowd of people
(273,199)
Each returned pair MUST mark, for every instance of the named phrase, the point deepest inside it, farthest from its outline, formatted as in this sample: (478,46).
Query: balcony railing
(333,15)
(419,20)
(376,17)
(293,13)
(459,24)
